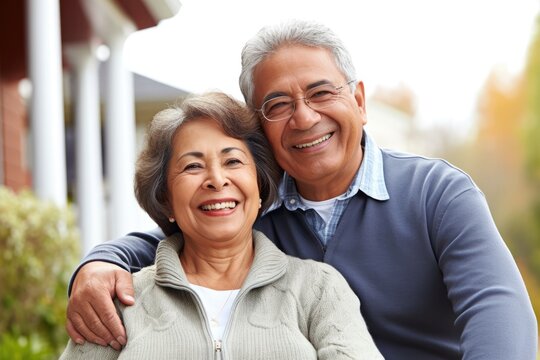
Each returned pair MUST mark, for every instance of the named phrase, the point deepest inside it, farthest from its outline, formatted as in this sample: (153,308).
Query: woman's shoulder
(316,284)
(300,273)
(316,271)
(143,282)
(143,278)
(309,264)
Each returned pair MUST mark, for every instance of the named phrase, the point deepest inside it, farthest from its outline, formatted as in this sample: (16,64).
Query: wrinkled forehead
(293,68)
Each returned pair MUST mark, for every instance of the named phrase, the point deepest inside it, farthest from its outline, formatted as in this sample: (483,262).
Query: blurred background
(80,79)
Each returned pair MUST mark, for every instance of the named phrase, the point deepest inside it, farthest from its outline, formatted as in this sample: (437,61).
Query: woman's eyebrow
(229,149)
(200,155)
(196,154)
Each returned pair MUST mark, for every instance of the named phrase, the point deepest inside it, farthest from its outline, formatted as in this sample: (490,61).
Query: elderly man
(413,236)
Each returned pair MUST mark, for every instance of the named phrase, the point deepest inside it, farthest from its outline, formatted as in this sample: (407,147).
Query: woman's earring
(260,203)
(171,220)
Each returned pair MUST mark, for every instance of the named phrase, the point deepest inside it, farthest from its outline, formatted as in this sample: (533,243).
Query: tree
(532,128)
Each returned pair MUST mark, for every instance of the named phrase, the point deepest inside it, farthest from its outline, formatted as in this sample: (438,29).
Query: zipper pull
(217,345)
(217,350)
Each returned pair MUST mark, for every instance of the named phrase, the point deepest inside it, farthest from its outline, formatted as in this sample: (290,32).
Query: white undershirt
(218,305)
(323,208)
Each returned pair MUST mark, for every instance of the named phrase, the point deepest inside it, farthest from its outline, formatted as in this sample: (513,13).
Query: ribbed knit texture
(287,308)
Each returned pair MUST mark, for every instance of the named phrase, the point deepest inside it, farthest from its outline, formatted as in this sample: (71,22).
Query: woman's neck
(217,267)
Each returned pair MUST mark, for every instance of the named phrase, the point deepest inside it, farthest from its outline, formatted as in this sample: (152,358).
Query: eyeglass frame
(293,101)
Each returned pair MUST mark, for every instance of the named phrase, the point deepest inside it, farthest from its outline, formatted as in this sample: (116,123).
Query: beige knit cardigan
(287,308)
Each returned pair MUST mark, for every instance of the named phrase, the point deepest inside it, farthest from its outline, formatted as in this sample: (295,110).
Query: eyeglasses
(282,107)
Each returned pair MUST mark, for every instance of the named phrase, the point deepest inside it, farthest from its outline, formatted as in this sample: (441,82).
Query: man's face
(320,149)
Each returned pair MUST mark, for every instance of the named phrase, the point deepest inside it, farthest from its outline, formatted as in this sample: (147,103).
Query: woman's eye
(233,162)
(193,166)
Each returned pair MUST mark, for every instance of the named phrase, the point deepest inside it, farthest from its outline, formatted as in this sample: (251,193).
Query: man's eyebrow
(281,93)
(274,95)
(318,83)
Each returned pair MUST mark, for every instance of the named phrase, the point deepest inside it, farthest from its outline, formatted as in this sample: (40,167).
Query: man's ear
(359,94)
(360,97)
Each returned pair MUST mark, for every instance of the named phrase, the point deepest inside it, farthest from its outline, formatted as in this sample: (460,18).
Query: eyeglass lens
(317,98)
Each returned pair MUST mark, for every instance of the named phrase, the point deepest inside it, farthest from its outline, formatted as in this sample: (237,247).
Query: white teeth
(313,143)
(219,206)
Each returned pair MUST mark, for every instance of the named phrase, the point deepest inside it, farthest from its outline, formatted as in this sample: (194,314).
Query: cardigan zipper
(218,344)
(217,349)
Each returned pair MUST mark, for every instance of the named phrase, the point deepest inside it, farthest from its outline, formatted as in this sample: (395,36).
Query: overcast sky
(442,50)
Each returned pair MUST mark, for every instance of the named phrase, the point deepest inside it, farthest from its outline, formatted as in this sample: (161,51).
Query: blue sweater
(435,278)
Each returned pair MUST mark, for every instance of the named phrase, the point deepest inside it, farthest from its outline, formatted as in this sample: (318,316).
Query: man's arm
(494,312)
(131,252)
(103,274)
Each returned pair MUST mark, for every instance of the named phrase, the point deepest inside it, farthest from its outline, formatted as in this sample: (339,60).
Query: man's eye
(321,94)
(277,107)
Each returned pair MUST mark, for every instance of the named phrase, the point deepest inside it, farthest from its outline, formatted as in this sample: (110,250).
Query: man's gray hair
(292,32)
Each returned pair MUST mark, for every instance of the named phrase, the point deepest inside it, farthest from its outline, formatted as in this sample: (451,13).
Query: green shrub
(39,248)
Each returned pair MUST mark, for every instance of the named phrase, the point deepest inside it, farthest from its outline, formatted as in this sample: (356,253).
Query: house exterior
(63,111)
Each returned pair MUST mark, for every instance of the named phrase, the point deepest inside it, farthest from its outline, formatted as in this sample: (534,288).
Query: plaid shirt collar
(369,179)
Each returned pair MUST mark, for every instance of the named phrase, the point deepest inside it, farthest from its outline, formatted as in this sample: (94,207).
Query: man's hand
(91,314)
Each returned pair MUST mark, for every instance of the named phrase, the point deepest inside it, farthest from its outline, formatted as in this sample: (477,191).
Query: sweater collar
(269,263)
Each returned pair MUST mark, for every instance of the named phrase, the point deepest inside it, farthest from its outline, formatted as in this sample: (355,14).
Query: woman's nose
(216,180)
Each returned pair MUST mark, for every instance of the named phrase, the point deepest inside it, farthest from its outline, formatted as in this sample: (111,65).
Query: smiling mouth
(226,205)
(314,142)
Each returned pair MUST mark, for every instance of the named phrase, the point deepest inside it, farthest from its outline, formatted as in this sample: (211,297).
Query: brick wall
(13,122)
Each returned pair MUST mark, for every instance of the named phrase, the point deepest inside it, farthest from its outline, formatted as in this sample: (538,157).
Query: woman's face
(212,183)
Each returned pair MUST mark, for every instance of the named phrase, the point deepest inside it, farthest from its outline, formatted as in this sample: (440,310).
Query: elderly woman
(219,289)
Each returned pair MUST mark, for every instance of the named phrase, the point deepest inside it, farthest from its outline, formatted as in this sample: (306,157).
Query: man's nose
(304,117)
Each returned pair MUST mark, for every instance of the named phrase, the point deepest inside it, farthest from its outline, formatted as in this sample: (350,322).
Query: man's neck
(316,192)
(330,186)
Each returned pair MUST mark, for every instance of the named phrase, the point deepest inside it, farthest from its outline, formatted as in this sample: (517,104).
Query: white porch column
(120,140)
(89,180)
(46,109)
